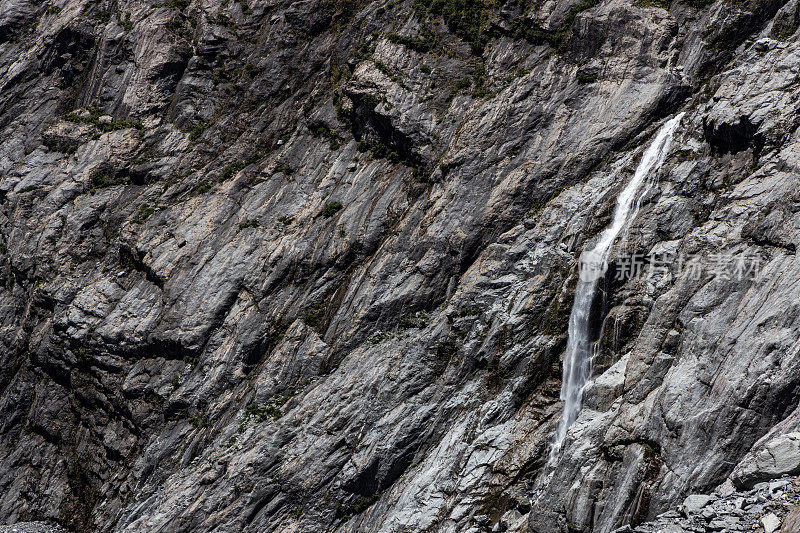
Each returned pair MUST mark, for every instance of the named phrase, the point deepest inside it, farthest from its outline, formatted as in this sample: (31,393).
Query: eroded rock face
(307,266)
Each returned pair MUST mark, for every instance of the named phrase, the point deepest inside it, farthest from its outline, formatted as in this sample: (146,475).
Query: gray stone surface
(779,512)
(694,503)
(31,527)
(306,280)
(770,458)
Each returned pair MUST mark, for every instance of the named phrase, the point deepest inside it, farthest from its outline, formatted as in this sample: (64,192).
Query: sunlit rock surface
(307,266)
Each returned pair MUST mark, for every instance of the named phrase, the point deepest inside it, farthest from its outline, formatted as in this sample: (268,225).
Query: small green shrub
(462,84)
(222,20)
(364,51)
(94,119)
(250,223)
(314,314)
(231,169)
(416,320)
(497,374)
(384,68)
(649,452)
(59,145)
(422,43)
(180,5)
(179,29)
(479,80)
(331,208)
(467,311)
(536,34)
(204,186)
(221,75)
(145,210)
(261,413)
(245,7)
(323,130)
(663,4)
(271,410)
(364,502)
(585,77)
(125,22)
(379,336)
(102,16)
(198,130)
(532,32)
(685,155)
(346,512)
(100,179)
(200,421)
(577,9)
(284,168)
(446,350)
(29,188)
(126,259)
(466,18)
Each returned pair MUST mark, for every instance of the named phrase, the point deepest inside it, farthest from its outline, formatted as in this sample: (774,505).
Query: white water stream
(580,349)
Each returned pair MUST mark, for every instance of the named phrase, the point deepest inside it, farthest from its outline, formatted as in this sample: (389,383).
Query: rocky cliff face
(307,266)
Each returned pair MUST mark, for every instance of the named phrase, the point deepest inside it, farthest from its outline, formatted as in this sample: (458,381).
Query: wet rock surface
(307,266)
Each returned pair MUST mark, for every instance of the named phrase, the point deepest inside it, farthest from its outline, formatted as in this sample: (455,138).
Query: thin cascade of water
(593,264)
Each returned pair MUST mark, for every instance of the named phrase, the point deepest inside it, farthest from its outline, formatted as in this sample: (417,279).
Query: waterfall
(579,354)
